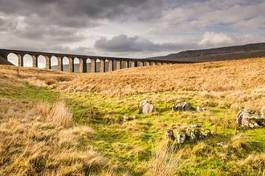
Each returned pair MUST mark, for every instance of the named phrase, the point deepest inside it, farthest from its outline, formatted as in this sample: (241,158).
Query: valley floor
(104,133)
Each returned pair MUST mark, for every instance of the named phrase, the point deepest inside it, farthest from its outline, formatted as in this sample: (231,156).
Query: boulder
(181,136)
(247,119)
(184,106)
(188,133)
(146,107)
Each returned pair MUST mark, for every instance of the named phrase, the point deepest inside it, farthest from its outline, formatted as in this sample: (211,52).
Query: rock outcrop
(184,106)
(188,133)
(247,119)
(146,107)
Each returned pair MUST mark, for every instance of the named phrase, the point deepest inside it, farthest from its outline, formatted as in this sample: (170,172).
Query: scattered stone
(184,106)
(247,119)
(220,143)
(188,133)
(170,134)
(146,107)
(181,136)
(199,109)
(128,118)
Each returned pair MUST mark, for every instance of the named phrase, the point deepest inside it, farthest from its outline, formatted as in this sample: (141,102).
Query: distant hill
(216,54)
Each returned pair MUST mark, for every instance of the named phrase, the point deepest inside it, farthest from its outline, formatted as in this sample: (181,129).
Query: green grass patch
(30,93)
(130,144)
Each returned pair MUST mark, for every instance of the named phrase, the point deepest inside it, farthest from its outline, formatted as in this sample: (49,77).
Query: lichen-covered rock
(246,119)
(146,107)
(184,106)
(188,133)
(181,135)
(194,132)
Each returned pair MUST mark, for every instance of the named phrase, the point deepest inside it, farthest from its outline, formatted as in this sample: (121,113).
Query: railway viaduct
(96,63)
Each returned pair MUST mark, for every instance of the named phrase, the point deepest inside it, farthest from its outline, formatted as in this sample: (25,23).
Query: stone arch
(13,58)
(131,63)
(76,64)
(66,63)
(106,65)
(117,64)
(97,65)
(54,63)
(28,60)
(41,61)
(88,64)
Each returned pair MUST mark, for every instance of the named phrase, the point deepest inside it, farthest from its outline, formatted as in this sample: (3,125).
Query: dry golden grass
(215,76)
(33,76)
(59,114)
(234,76)
(37,141)
(163,163)
(30,145)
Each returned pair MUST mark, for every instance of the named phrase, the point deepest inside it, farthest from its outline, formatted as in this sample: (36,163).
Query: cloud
(81,13)
(45,24)
(123,43)
(215,39)
(226,15)
(157,26)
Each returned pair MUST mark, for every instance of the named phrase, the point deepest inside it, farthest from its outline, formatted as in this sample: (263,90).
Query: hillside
(58,123)
(217,54)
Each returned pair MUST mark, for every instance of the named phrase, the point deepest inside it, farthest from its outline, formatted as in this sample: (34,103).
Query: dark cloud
(75,25)
(60,21)
(123,43)
(71,13)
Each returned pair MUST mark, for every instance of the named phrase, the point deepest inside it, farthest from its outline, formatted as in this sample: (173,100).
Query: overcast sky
(133,28)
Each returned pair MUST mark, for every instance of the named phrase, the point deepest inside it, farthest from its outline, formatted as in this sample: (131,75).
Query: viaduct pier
(85,63)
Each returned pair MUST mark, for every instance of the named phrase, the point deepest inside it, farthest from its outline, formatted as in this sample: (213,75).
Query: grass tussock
(254,164)
(163,162)
(31,146)
(58,113)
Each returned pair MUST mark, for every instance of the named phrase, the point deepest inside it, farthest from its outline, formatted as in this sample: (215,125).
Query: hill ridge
(219,53)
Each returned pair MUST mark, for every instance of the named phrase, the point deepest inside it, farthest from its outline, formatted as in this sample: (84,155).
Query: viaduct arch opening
(41,62)
(76,65)
(28,60)
(12,58)
(54,63)
(66,64)
(88,64)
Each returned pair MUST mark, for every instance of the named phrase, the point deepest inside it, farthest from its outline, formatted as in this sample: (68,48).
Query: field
(56,123)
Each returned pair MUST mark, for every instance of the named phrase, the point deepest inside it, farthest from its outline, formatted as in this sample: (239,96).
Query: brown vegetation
(40,138)
(31,144)
(215,76)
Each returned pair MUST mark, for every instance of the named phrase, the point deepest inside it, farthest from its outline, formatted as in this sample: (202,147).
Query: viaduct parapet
(86,63)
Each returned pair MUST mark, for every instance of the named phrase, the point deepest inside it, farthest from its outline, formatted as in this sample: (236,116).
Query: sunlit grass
(97,108)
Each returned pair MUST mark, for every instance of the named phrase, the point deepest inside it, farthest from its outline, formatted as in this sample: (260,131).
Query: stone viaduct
(96,63)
